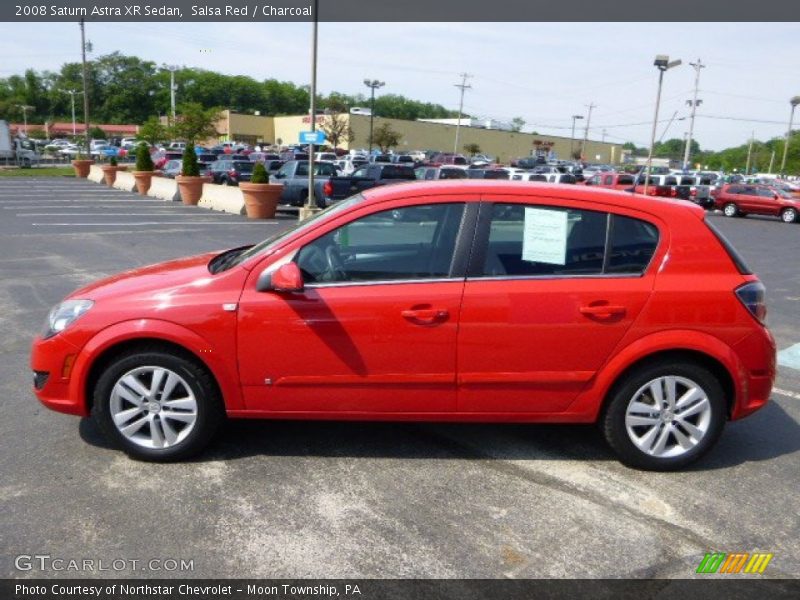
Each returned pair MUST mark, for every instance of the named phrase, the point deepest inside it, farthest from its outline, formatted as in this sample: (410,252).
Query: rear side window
(625,180)
(551,241)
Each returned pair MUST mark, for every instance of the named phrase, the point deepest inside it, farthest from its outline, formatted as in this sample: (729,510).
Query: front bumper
(52,360)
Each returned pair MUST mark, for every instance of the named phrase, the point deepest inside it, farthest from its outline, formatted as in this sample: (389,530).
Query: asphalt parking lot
(283,499)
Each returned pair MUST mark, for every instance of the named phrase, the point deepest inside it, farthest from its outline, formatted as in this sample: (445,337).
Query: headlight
(63,315)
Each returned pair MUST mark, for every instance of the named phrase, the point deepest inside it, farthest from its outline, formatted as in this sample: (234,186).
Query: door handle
(602,310)
(425,315)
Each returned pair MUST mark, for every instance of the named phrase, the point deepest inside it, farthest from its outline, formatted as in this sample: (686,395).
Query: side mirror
(287,278)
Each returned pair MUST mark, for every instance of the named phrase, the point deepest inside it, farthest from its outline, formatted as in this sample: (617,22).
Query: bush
(144,162)
(260,174)
(113,161)
(190,167)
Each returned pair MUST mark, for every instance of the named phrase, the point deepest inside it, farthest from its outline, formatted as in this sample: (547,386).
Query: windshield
(273,241)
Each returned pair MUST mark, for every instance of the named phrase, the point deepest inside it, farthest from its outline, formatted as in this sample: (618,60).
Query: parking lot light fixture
(25,108)
(794,102)
(662,63)
(372,84)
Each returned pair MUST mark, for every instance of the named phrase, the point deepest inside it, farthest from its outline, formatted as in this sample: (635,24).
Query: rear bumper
(757,373)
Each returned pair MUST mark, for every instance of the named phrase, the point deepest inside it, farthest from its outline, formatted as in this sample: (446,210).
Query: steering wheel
(323,265)
(335,263)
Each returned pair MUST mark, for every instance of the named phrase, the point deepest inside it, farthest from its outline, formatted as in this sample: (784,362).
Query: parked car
(567,178)
(364,178)
(448,158)
(612,181)
(432,173)
(484,173)
(172,168)
(349,164)
(403,159)
(230,172)
(457,313)
(293,176)
(162,158)
(739,200)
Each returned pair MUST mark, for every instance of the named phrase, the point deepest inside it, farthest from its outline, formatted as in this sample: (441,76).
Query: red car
(489,301)
(741,199)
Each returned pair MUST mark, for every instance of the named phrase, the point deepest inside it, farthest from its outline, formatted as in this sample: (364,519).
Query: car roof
(533,190)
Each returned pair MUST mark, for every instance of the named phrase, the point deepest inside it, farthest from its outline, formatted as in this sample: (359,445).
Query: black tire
(209,406)
(627,390)
(789,215)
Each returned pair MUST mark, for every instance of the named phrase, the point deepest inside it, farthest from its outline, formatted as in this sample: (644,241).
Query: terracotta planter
(260,199)
(82,167)
(191,188)
(109,174)
(143,181)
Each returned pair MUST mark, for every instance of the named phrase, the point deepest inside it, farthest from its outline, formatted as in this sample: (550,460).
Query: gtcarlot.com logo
(46,562)
(735,562)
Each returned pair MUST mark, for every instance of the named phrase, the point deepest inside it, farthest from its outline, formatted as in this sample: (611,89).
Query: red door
(374,331)
(545,305)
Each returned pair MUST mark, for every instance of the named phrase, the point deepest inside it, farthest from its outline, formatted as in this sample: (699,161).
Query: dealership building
(438,135)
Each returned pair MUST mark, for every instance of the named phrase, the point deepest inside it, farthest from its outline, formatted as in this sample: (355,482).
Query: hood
(164,277)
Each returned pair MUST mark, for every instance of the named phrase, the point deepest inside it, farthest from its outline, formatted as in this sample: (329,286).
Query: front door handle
(602,310)
(427,316)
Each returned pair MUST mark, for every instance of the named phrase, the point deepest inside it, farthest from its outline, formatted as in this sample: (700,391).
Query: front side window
(527,240)
(409,243)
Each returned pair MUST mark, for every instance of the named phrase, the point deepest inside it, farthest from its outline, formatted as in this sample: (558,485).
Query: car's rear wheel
(157,406)
(664,416)
(789,215)
(730,210)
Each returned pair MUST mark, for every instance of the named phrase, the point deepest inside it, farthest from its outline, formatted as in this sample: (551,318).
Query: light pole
(464,87)
(372,84)
(172,70)
(25,108)
(85,89)
(662,63)
(311,207)
(572,137)
(72,97)
(794,102)
(586,131)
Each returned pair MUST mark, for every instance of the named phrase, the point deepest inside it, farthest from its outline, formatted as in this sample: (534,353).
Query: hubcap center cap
(154,407)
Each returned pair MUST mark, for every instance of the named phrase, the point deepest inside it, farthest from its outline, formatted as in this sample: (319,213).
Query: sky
(542,72)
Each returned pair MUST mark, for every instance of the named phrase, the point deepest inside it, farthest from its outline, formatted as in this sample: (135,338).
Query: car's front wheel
(157,406)
(730,210)
(789,215)
(664,416)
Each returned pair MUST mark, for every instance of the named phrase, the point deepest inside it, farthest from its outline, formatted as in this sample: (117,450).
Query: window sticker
(544,236)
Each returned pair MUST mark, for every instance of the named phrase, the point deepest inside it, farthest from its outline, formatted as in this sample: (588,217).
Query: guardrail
(223,198)
(164,188)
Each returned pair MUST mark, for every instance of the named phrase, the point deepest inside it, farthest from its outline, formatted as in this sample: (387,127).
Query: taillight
(232,173)
(673,192)
(754,297)
(693,191)
(327,188)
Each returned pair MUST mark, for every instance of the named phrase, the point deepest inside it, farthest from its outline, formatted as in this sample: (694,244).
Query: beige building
(414,135)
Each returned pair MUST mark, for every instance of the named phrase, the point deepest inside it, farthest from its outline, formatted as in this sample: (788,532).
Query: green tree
(385,137)
(144,162)
(472,149)
(95,133)
(517,123)
(153,131)
(260,174)
(195,123)
(190,168)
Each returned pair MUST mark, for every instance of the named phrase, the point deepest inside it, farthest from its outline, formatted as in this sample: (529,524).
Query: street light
(172,89)
(572,138)
(662,63)
(25,108)
(794,102)
(72,95)
(373,85)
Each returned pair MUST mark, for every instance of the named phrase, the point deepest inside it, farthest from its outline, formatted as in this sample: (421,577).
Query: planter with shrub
(110,171)
(143,173)
(81,166)
(260,196)
(190,183)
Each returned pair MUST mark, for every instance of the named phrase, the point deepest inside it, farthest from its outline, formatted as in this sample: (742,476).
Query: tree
(472,149)
(153,131)
(337,128)
(195,123)
(95,133)
(144,162)
(385,137)
(189,167)
(517,123)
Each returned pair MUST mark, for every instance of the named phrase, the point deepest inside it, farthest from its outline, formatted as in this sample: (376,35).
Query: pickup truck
(364,178)
(293,176)
(612,181)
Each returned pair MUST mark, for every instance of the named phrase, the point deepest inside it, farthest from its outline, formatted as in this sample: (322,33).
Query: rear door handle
(602,310)
(426,315)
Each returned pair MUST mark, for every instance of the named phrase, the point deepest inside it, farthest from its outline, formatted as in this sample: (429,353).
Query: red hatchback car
(741,199)
(488,301)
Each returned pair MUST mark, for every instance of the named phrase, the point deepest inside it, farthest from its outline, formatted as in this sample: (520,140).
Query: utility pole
(794,102)
(572,137)
(604,135)
(586,131)
(172,70)
(771,161)
(464,87)
(664,133)
(749,153)
(372,84)
(85,89)
(694,102)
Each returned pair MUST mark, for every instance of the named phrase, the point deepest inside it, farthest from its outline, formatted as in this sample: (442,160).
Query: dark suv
(231,172)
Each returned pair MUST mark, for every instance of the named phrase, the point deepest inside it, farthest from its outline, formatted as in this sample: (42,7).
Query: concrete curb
(223,198)
(125,181)
(164,188)
(96,174)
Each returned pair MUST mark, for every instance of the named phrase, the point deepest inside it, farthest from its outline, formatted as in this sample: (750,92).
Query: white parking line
(786,393)
(170,223)
(119,214)
(790,357)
